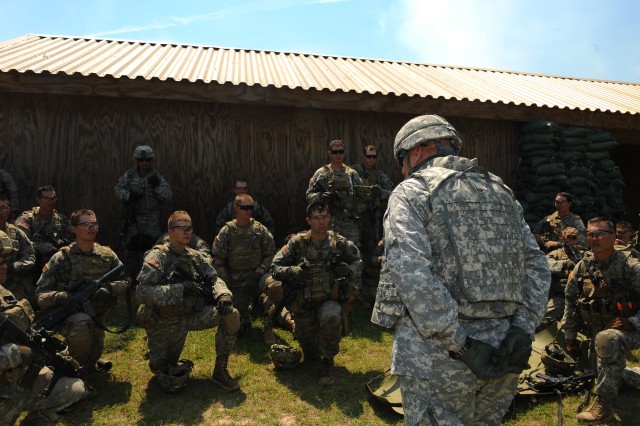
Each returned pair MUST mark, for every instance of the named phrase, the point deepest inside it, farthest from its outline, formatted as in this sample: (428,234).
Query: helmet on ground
(556,361)
(143,151)
(285,357)
(423,129)
(6,246)
(176,377)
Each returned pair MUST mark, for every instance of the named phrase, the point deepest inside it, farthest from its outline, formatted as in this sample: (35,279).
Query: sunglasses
(241,207)
(89,225)
(371,156)
(598,234)
(337,151)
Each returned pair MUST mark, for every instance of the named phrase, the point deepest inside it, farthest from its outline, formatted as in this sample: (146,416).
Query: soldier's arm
(119,286)
(570,319)
(387,186)
(284,259)
(163,191)
(9,357)
(312,194)
(153,288)
(52,281)
(24,223)
(582,231)
(351,256)
(220,252)
(122,190)
(268,249)
(26,255)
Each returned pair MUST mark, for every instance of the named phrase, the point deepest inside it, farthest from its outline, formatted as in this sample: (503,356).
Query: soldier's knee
(276,292)
(232,321)
(607,344)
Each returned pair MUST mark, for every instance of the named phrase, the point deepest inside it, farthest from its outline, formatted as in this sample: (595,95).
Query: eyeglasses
(49,197)
(372,156)
(184,228)
(598,234)
(337,151)
(89,225)
(321,217)
(4,207)
(241,207)
(145,160)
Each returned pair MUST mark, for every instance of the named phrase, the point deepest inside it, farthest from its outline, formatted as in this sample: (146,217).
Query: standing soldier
(341,187)
(242,253)
(47,228)
(142,190)
(180,291)
(320,270)
(9,190)
(549,230)
(381,187)
(602,297)
(80,261)
(21,261)
(260,213)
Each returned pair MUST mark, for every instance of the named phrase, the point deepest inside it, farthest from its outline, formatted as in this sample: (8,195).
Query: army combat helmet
(143,151)
(423,129)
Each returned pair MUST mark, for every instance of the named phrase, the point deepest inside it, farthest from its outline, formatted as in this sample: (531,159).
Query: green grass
(129,395)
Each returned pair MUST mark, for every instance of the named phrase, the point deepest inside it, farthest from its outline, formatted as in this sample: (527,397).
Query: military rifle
(83,290)
(56,240)
(47,350)
(549,384)
(334,199)
(204,285)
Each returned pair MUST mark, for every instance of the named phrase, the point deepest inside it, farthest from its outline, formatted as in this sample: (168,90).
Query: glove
(72,302)
(515,350)
(478,356)
(26,355)
(299,273)
(190,288)
(619,323)
(342,269)
(254,279)
(154,181)
(573,348)
(376,191)
(103,294)
(225,305)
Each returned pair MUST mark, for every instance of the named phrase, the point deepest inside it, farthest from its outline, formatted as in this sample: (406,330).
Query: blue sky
(579,38)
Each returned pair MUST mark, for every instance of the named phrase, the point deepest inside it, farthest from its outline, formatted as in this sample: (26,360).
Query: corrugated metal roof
(150,60)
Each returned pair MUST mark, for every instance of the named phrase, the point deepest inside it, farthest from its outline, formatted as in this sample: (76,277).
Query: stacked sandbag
(571,159)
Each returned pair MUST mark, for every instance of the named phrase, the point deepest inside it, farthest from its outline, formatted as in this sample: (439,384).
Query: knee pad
(606,343)
(275,291)
(232,321)
(80,339)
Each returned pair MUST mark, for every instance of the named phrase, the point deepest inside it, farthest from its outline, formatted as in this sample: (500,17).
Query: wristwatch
(462,352)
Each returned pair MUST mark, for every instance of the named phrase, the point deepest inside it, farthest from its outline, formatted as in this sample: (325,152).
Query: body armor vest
(188,264)
(12,233)
(321,260)
(343,184)
(245,246)
(88,266)
(480,219)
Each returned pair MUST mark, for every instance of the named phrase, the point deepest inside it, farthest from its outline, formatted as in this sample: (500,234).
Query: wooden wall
(83,144)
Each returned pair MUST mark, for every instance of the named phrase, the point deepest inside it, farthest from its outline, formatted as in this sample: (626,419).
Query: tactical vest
(245,246)
(606,296)
(343,184)
(88,266)
(38,223)
(480,219)
(188,264)
(12,233)
(321,286)
(18,311)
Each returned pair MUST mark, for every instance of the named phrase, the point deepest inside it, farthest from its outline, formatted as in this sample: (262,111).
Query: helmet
(556,361)
(285,357)
(426,128)
(143,151)
(176,377)
(6,246)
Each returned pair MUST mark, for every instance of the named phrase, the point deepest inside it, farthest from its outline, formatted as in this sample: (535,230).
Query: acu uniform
(550,228)
(20,261)
(196,243)
(260,214)
(317,303)
(65,269)
(560,266)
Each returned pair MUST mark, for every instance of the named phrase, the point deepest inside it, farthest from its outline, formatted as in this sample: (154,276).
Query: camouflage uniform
(14,399)
(145,230)
(168,315)
(43,233)
(68,266)
(196,243)
(550,228)
(431,273)
(22,261)
(316,305)
(560,266)
(9,189)
(260,214)
(372,228)
(238,253)
(589,308)
(343,182)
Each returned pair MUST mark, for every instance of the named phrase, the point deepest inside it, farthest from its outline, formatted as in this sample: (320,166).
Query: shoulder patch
(284,249)
(45,268)
(154,262)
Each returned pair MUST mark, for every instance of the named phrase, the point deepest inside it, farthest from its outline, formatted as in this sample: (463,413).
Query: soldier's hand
(299,273)
(515,350)
(619,323)
(479,358)
(225,305)
(154,181)
(103,294)
(190,288)
(573,348)
(550,245)
(26,355)
(343,270)
(72,302)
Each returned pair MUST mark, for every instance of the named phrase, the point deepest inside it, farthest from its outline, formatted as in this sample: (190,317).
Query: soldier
(9,190)
(602,298)
(16,359)
(47,228)
(171,306)
(463,282)
(82,260)
(21,261)
(142,190)
(549,230)
(371,234)
(340,186)
(560,264)
(624,241)
(260,213)
(242,253)
(196,243)
(321,271)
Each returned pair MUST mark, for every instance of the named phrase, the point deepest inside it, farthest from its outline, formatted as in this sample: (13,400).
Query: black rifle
(334,198)
(46,349)
(83,290)
(57,240)
(551,384)
(204,285)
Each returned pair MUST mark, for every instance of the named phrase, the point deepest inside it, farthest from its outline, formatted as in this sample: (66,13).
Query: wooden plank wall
(83,145)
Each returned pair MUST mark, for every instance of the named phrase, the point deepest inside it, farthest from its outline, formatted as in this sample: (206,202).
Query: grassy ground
(129,395)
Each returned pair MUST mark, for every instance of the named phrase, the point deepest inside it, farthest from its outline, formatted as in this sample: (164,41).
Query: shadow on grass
(187,407)
(110,393)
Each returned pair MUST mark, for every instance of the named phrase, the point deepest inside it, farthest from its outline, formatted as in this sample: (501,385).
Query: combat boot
(326,376)
(599,411)
(221,375)
(290,323)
